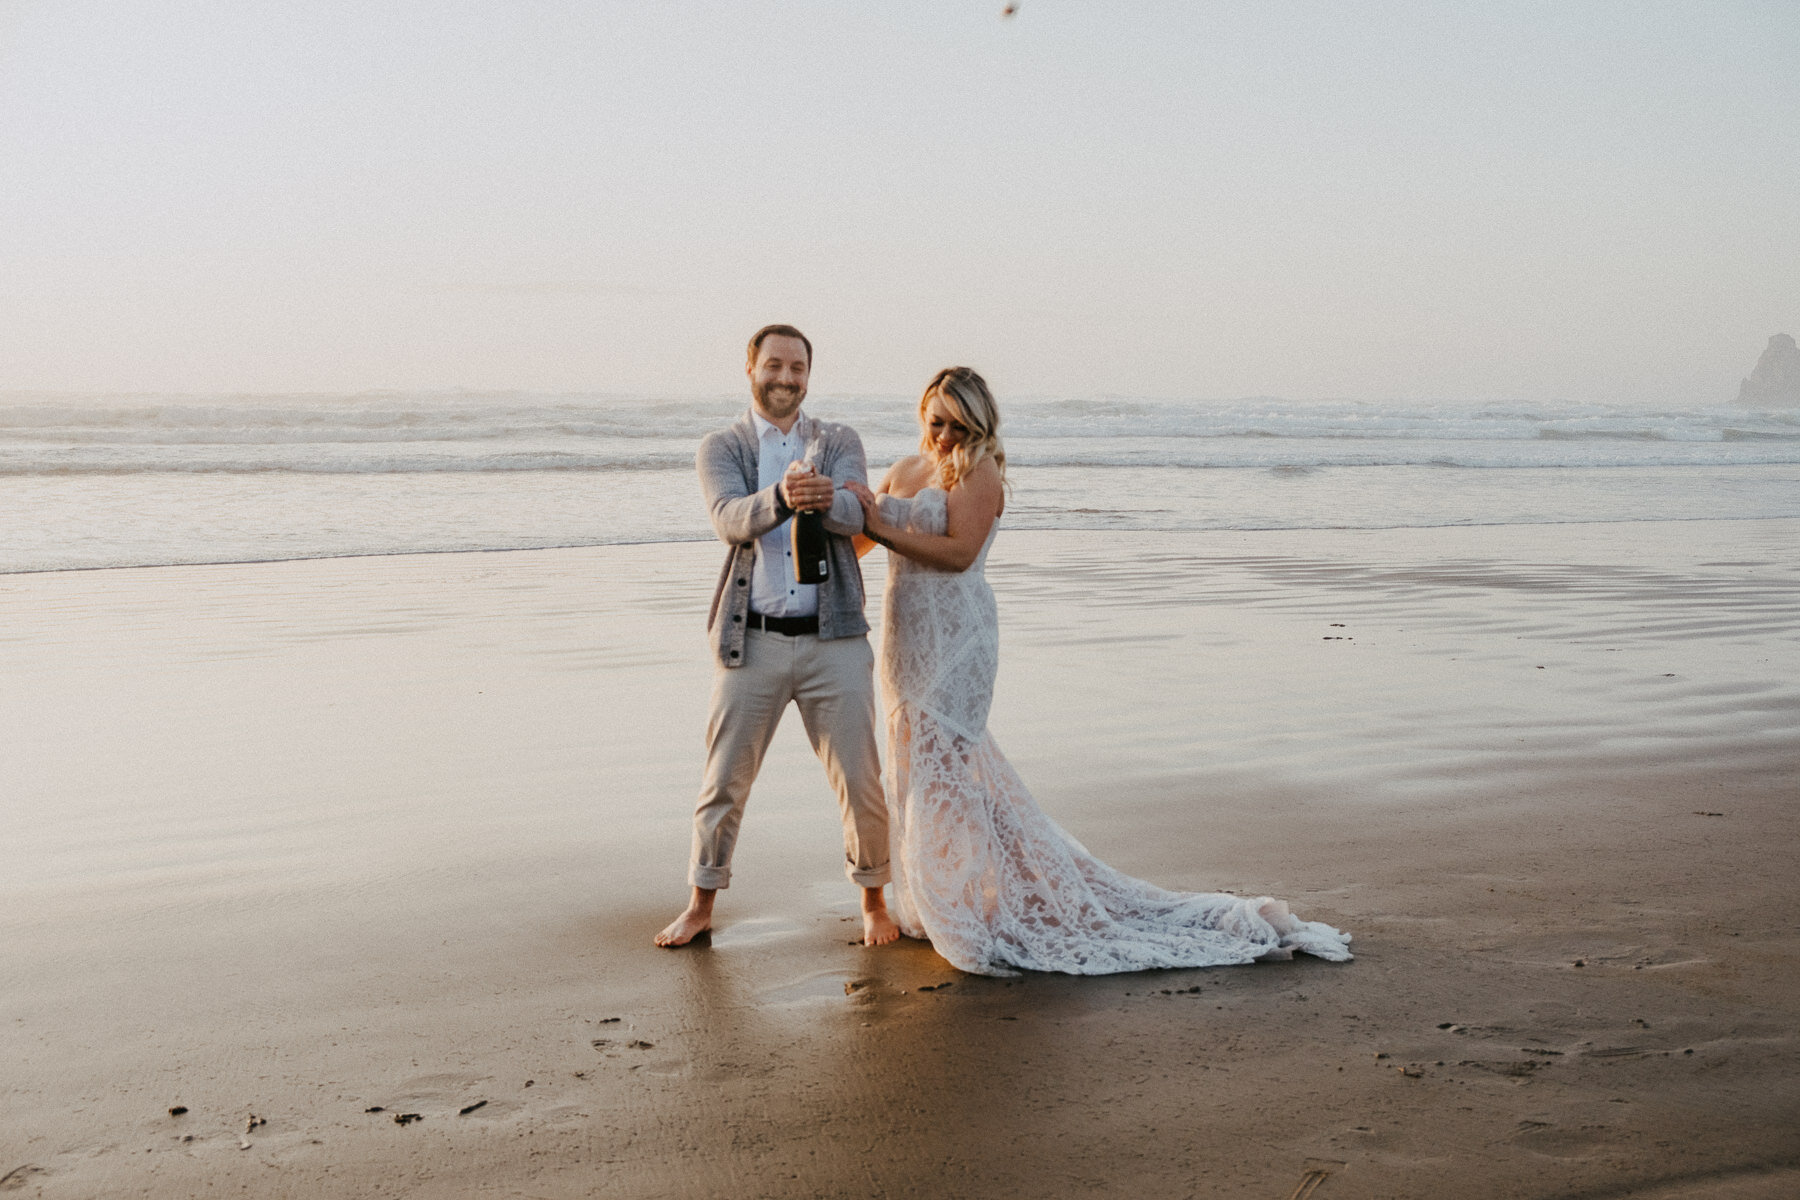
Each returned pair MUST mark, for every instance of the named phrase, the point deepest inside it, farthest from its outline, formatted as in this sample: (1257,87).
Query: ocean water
(111,481)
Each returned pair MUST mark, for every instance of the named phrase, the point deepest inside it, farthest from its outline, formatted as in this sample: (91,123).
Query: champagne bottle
(812,563)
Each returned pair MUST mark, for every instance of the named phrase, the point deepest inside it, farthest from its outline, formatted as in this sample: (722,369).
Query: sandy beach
(298,850)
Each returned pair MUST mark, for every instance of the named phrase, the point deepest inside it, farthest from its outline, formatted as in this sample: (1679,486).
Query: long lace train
(980,869)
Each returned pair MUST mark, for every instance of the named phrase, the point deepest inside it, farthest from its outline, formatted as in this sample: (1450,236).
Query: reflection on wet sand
(327,844)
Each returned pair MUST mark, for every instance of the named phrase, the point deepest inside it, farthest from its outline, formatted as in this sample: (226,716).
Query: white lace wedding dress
(980,870)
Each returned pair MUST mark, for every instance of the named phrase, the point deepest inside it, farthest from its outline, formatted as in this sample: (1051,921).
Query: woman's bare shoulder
(984,485)
(986,472)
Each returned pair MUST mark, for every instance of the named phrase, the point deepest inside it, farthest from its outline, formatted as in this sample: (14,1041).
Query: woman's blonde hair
(968,397)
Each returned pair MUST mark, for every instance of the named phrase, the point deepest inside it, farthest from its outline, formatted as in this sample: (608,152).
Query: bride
(980,870)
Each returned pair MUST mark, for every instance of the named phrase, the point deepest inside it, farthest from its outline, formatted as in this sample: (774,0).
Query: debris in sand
(640,1045)
(1703,813)
(178,1110)
(14,1180)
(466,1109)
(252,1121)
(937,987)
(1309,1183)
(375,1108)
(609,1020)
(601,1043)
(407,1118)
(1411,1072)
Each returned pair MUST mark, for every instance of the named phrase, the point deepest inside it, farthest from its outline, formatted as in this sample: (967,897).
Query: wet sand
(301,848)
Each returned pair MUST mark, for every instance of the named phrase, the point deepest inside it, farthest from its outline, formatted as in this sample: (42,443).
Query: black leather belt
(788,626)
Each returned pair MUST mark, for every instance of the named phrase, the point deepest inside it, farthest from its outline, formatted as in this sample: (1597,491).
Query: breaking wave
(508,432)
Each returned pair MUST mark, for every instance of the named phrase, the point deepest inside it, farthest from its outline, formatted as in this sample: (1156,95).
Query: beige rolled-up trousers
(833,682)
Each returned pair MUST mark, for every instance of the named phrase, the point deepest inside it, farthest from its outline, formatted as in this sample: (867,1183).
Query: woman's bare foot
(695,920)
(878,928)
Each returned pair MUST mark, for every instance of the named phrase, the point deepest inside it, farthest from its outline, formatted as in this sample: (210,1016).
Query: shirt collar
(764,426)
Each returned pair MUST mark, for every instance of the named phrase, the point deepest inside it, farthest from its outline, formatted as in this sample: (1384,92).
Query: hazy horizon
(1520,202)
(816,396)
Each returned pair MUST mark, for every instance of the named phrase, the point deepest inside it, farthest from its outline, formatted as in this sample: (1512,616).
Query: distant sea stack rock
(1775,383)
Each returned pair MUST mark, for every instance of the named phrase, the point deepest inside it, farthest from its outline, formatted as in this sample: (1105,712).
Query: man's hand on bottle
(805,490)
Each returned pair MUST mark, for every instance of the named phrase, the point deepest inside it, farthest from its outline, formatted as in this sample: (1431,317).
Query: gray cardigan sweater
(741,513)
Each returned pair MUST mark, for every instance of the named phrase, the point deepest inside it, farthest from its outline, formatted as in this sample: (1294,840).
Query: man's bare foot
(695,920)
(684,929)
(878,928)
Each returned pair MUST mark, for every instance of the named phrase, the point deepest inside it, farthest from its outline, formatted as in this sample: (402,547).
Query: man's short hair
(769,331)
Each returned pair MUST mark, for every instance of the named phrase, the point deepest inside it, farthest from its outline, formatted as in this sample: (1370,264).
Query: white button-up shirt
(773,592)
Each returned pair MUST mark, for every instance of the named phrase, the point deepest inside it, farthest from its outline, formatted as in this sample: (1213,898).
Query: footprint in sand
(1747,1183)
(1564,1141)
(825,986)
(425,1093)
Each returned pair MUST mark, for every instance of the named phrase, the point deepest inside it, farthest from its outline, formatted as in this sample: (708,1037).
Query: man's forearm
(845,516)
(740,519)
(738,515)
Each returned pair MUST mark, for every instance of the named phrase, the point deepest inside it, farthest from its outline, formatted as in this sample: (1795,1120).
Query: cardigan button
(740,583)
(734,654)
(736,620)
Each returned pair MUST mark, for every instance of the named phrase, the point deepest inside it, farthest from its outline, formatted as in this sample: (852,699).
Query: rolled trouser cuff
(869,877)
(711,878)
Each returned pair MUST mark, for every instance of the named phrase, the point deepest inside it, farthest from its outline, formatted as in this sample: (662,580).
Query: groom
(776,640)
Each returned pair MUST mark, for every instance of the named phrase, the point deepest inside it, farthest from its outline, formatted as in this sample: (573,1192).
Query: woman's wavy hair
(967,395)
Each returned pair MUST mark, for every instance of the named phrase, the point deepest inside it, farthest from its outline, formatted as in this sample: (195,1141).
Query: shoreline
(299,840)
(704,539)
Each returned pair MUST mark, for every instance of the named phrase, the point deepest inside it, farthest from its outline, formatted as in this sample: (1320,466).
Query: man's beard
(777,399)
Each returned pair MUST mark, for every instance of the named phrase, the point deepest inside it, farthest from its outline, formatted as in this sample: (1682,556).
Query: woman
(979,869)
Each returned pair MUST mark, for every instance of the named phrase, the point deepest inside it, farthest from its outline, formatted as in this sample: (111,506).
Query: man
(777,640)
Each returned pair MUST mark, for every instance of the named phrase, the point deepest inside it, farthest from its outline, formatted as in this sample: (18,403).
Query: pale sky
(1448,200)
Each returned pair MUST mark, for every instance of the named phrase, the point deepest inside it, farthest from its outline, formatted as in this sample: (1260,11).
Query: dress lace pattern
(979,869)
